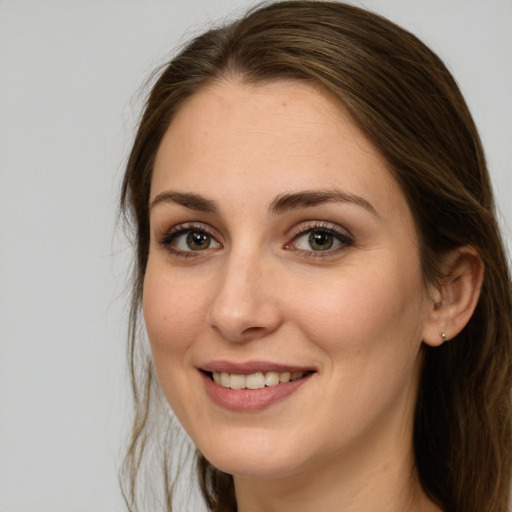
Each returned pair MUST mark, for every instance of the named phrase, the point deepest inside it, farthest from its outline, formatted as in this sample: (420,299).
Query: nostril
(252,329)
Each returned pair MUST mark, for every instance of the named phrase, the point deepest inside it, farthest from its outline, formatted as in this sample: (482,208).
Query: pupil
(320,241)
(198,241)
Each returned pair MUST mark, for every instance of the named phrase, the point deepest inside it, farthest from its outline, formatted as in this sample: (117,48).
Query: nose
(245,305)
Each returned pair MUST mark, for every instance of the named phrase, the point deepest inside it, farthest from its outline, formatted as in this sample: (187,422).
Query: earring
(443,336)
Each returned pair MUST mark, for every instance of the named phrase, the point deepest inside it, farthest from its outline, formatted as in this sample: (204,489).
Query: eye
(184,239)
(193,241)
(317,241)
(320,238)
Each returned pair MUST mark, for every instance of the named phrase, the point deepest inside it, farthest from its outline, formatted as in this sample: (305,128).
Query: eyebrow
(310,198)
(281,204)
(186,199)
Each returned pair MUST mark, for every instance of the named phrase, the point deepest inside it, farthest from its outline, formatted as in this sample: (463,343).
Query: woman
(320,271)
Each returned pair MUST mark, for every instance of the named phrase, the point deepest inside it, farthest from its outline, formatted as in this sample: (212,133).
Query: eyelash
(345,240)
(170,237)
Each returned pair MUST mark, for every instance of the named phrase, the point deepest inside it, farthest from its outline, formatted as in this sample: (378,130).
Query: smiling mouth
(258,380)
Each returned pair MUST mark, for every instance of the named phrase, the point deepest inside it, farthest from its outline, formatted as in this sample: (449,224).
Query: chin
(259,458)
(255,469)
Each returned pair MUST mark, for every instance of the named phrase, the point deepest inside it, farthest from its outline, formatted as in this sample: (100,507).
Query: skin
(357,313)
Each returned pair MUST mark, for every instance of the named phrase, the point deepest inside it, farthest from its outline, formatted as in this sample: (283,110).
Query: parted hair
(407,103)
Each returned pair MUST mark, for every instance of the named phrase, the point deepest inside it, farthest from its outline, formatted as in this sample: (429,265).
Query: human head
(409,107)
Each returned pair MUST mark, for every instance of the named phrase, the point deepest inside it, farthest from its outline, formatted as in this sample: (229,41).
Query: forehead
(278,137)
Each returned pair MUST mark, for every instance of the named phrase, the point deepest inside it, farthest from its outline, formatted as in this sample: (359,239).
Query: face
(283,296)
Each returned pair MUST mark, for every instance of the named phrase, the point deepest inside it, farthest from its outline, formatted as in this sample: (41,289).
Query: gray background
(70,79)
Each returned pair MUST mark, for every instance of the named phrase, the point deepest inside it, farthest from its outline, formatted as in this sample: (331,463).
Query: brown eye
(320,240)
(198,241)
(189,241)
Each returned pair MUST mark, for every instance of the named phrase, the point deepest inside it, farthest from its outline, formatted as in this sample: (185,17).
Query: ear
(454,299)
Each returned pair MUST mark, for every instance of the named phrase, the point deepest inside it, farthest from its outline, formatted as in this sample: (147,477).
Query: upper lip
(249,367)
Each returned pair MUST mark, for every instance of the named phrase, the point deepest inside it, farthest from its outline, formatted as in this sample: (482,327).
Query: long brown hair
(409,106)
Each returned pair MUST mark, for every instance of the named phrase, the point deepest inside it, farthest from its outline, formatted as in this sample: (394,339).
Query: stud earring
(443,336)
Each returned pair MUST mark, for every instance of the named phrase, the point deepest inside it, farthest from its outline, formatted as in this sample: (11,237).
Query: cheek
(362,313)
(172,312)
(174,315)
(370,331)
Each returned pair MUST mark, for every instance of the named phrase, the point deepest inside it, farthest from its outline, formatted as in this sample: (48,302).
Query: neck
(392,486)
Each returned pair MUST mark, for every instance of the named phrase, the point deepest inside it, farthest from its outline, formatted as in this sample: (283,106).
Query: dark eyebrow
(188,200)
(309,198)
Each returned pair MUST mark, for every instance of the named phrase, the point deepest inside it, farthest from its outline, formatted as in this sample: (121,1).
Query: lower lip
(250,399)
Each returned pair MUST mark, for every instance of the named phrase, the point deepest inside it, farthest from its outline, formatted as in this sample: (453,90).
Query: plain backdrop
(70,92)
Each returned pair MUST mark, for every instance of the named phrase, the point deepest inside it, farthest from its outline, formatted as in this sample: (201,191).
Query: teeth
(236,381)
(284,377)
(255,380)
(271,379)
(225,380)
